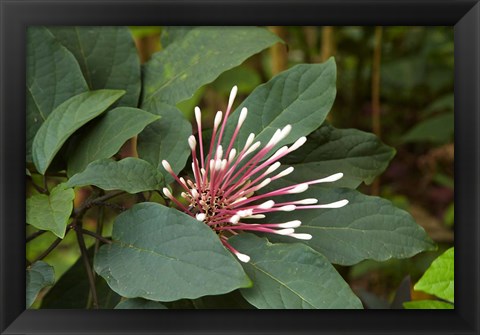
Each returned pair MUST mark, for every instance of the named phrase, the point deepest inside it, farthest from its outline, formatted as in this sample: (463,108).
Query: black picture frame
(16,15)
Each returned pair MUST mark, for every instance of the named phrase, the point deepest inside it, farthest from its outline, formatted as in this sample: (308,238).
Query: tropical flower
(223,191)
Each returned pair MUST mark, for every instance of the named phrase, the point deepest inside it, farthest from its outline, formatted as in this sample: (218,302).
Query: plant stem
(86,263)
(279,51)
(376,127)
(34,235)
(45,185)
(98,237)
(49,249)
(327,43)
(38,188)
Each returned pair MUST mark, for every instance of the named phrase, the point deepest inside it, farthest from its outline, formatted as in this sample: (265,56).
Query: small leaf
(439,277)
(437,129)
(166,138)
(65,120)
(106,136)
(427,304)
(291,276)
(131,174)
(51,212)
(301,96)
(359,155)
(162,254)
(53,76)
(366,228)
(198,57)
(39,275)
(72,289)
(107,56)
(139,303)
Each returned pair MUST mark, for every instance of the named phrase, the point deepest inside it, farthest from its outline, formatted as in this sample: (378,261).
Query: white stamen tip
(252,148)
(301,141)
(337,204)
(192,142)
(218,119)
(267,204)
(279,152)
(233,94)
(232,154)
(272,168)
(198,116)
(249,141)
(234,219)
(291,224)
(194,193)
(264,183)
(329,179)
(309,201)
(287,231)
(287,208)
(245,213)
(298,189)
(219,152)
(285,131)
(238,200)
(285,172)
(167,166)
(242,117)
(167,192)
(256,216)
(218,164)
(301,236)
(242,257)
(201,216)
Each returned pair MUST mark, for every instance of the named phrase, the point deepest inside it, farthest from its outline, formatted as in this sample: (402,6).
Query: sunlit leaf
(51,212)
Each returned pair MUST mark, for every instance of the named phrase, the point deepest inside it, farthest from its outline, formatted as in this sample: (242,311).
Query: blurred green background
(396,82)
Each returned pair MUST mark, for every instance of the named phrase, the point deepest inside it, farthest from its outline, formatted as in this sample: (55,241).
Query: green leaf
(439,277)
(427,304)
(65,120)
(51,212)
(139,303)
(301,96)
(72,289)
(38,276)
(107,56)
(359,155)
(198,57)
(166,138)
(162,254)
(131,174)
(106,136)
(173,34)
(366,228)
(53,76)
(437,129)
(291,276)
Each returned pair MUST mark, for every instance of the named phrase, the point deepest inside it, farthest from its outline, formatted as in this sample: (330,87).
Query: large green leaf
(38,276)
(166,138)
(130,174)
(72,289)
(139,303)
(162,254)
(359,155)
(53,76)
(197,58)
(291,276)
(51,212)
(366,228)
(65,120)
(106,136)
(439,277)
(107,56)
(427,304)
(301,96)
